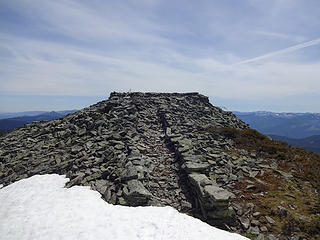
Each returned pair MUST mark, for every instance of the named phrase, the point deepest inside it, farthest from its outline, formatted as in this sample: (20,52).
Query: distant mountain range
(4,115)
(298,129)
(292,125)
(311,143)
(18,119)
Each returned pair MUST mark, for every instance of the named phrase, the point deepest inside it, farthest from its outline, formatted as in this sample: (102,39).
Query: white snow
(41,208)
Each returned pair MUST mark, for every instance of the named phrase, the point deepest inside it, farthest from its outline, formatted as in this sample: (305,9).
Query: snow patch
(41,208)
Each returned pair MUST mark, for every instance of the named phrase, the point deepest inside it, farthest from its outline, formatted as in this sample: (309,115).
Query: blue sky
(246,55)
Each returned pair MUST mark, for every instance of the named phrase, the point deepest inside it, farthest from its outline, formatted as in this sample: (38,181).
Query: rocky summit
(140,149)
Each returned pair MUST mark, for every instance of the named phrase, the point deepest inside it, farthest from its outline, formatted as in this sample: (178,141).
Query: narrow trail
(164,169)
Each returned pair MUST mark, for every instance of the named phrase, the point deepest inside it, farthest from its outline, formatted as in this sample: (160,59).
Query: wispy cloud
(282,51)
(67,47)
(283,36)
(53,69)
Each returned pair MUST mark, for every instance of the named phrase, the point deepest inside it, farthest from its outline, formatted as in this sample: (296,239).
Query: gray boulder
(136,194)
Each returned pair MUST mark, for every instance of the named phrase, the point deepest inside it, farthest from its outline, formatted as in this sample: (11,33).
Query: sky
(245,55)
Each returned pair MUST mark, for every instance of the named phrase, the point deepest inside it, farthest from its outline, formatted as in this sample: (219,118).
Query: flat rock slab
(190,167)
(199,180)
(135,193)
(216,193)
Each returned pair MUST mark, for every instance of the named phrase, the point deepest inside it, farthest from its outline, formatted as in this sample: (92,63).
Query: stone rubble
(141,149)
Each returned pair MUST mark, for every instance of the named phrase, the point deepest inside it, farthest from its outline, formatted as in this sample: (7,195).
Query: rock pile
(137,149)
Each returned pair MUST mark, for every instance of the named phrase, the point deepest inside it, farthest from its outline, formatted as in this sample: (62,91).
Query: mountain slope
(4,115)
(9,124)
(292,125)
(310,143)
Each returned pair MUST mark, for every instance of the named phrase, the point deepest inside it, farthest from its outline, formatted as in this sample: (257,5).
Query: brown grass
(306,164)
(303,210)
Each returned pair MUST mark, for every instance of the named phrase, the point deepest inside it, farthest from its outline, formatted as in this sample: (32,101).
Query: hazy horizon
(59,103)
